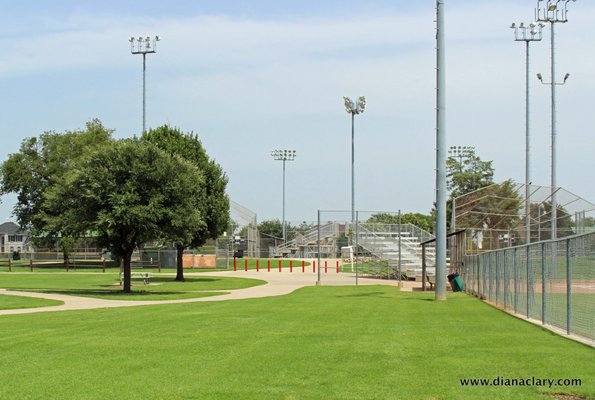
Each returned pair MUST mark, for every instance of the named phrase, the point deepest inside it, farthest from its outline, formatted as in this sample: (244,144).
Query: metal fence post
(528,257)
(497,277)
(543,296)
(568,288)
(505,281)
(515,268)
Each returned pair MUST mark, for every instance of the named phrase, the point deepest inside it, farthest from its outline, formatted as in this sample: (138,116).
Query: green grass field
(366,342)
(106,285)
(13,302)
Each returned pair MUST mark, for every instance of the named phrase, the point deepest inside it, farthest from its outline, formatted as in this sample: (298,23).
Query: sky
(249,77)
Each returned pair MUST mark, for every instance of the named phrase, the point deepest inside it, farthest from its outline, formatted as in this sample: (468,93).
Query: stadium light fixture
(528,33)
(284,155)
(144,45)
(553,11)
(353,108)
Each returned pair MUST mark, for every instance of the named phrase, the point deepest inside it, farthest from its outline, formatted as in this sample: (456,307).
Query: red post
(245,264)
(269,265)
(325,266)
(337,266)
(313,266)
(303,266)
(235,265)
(290,265)
(257,265)
(279,265)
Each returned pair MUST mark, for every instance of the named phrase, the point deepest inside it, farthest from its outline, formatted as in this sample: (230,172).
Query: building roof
(9,228)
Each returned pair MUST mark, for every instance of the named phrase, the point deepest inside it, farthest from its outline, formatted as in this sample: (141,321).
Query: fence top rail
(448,235)
(521,246)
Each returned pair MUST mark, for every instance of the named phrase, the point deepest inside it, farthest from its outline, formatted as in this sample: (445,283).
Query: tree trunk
(127,273)
(180,263)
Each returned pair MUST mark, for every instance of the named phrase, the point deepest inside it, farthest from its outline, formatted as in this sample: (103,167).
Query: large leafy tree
(425,222)
(127,194)
(214,203)
(467,173)
(541,217)
(271,228)
(40,163)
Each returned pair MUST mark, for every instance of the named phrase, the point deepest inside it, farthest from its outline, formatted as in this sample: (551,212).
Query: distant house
(12,238)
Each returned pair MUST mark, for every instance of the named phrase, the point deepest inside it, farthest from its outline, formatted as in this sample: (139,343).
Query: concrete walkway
(278,284)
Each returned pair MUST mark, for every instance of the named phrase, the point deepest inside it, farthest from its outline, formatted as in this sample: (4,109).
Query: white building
(12,238)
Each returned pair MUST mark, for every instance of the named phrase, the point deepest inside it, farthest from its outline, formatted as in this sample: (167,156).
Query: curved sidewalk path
(278,284)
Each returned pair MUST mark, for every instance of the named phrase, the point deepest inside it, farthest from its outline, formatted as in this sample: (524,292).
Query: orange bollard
(245,264)
(303,266)
(313,266)
(257,265)
(279,265)
(290,265)
(269,265)
(337,266)
(235,265)
(325,266)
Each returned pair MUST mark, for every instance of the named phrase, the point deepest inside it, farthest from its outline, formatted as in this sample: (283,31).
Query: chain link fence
(552,282)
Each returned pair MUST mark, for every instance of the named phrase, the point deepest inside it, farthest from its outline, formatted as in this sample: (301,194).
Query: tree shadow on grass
(107,293)
(368,294)
(162,279)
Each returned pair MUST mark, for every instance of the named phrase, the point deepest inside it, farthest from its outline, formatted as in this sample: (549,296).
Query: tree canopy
(43,161)
(425,222)
(127,194)
(213,202)
(467,174)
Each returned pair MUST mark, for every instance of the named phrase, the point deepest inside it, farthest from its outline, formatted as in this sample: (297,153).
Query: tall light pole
(440,153)
(527,33)
(284,155)
(353,108)
(553,12)
(144,45)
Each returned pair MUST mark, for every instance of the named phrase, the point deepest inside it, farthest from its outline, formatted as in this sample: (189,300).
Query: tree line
(160,187)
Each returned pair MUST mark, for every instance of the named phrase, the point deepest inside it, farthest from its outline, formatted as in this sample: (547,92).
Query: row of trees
(160,187)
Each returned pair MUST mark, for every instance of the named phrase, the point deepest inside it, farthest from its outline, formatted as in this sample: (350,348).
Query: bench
(431,280)
(136,275)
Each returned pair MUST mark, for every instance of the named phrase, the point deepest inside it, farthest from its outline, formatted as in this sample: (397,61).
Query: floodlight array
(283,155)
(143,45)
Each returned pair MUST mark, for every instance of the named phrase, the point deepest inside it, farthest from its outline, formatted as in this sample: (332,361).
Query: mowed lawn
(13,302)
(106,285)
(366,342)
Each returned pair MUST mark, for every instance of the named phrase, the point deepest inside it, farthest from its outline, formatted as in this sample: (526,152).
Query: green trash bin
(16,255)
(456,283)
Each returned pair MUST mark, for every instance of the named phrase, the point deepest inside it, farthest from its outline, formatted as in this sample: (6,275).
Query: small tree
(128,193)
(272,228)
(425,222)
(213,202)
